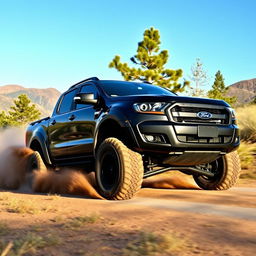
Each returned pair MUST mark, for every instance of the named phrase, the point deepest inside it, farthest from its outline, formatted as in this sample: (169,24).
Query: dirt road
(197,222)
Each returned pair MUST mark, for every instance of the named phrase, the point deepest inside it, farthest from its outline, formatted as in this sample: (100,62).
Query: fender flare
(41,139)
(122,121)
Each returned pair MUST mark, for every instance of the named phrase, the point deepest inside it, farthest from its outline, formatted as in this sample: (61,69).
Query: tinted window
(66,103)
(127,88)
(87,89)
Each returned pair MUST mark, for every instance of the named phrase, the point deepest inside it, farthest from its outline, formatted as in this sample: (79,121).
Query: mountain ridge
(244,90)
(45,99)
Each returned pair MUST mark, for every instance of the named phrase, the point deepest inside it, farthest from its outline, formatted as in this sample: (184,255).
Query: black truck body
(168,131)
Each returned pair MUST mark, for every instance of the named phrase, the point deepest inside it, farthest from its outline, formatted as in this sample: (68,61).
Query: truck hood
(171,99)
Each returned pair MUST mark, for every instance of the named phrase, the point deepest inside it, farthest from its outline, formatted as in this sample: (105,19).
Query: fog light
(154,138)
(150,138)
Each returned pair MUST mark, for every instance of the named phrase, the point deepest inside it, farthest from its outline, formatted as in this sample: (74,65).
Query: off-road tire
(119,170)
(227,174)
(35,162)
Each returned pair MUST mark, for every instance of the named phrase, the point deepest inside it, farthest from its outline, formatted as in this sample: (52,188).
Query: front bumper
(178,137)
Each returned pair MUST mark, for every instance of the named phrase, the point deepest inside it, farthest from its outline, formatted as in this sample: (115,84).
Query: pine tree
(199,78)
(4,120)
(151,62)
(219,90)
(23,111)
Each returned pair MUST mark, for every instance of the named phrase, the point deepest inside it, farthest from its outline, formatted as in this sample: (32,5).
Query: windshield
(115,89)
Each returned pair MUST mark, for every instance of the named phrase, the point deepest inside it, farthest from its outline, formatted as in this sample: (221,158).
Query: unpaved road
(238,202)
(208,222)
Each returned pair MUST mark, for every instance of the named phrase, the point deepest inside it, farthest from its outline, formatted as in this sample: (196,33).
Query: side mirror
(85,98)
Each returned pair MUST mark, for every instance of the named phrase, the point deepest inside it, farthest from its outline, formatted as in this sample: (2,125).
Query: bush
(247,122)
(246,153)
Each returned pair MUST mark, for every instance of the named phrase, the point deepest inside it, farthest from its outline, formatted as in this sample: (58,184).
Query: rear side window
(66,102)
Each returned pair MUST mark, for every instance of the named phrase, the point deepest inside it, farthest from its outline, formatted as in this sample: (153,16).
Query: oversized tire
(35,162)
(119,170)
(226,171)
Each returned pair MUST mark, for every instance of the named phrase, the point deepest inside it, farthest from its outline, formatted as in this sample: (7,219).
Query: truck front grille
(188,113)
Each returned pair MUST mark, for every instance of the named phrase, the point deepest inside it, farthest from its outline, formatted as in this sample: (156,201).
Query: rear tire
(35,163)
(226,168)
(119,170)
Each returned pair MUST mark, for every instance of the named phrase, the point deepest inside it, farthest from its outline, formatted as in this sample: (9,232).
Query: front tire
(119,170)
(226,169)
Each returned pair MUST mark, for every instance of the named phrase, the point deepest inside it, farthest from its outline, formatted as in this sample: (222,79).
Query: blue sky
(55,43)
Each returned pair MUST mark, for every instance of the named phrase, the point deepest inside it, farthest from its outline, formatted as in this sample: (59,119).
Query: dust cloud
(170,180)
(65,181)
(13,163)
(13,158)
(13,172)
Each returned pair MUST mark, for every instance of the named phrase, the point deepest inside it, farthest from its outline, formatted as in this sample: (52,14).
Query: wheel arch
(37,145)
(111,127)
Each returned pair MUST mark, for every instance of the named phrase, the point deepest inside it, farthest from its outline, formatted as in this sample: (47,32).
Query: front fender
(121,119)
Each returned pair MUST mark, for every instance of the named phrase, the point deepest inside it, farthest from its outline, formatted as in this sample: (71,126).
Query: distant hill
(45,99)
(245,91)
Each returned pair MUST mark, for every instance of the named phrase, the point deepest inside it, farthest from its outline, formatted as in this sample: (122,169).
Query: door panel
(59,134)
(60,129)
(83,128)
(73,133)
(84,125)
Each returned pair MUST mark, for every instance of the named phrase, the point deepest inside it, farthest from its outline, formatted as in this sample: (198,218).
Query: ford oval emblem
(204,115)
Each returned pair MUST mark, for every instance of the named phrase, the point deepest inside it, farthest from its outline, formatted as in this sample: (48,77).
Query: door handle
(72,117)
(53,122)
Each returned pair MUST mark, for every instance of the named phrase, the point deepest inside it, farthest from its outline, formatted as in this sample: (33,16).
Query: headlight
(150,108)
(232,112)
(233,115)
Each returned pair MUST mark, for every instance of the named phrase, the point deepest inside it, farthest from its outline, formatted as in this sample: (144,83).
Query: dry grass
(14,205)
(246,153)
(248,160)
(30,243)
(22,206)
(154,244)
(248,175)
(247,122)
(27,245)
(80,221)
(4,229)
(247,150)
(18,206)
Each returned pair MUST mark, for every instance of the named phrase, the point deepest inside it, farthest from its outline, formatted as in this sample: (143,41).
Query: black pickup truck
(127,131)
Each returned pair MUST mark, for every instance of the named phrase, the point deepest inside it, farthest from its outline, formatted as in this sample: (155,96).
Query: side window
(87,89)
(67,101)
